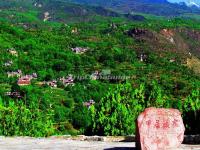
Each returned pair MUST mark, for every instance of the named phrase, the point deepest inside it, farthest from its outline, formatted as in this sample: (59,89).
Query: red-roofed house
(24,81)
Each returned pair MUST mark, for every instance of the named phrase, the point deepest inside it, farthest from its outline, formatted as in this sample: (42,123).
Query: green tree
(116,113)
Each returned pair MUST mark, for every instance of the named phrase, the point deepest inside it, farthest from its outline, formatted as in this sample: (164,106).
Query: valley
(73,68)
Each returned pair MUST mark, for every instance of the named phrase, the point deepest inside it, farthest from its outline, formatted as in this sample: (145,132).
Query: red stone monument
(160,129)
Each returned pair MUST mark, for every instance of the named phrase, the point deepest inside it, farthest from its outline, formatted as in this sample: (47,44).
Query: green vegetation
(29,44)
(119,109)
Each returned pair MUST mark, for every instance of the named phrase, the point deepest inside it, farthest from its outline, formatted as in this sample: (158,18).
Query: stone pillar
(160,129)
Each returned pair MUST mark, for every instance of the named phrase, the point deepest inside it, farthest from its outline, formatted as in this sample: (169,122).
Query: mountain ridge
(189,3)
(157,7)
(60,11)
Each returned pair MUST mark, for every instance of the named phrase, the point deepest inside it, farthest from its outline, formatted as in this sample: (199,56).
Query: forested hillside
(73,69)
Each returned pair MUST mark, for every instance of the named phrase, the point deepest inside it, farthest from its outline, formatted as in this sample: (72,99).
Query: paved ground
(26,143)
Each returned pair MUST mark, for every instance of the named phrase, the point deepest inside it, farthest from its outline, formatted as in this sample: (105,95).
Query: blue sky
(187,1)
(177,0)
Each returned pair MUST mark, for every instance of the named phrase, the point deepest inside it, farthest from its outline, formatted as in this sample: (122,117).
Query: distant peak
(192,3)
(189,3)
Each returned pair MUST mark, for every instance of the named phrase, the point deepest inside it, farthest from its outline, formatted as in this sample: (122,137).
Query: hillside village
(72,69)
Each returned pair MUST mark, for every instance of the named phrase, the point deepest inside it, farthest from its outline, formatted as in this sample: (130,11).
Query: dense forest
(94,77)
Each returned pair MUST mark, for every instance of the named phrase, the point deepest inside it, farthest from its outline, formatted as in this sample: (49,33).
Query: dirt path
(27,143)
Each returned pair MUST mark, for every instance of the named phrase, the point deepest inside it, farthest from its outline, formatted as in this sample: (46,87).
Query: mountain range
(156,7)
(187,2)
(110,7)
